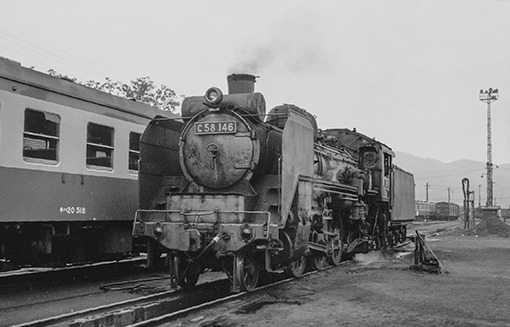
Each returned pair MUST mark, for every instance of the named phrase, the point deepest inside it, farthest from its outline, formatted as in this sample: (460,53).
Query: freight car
(235,189)
(447,211)
(68,166)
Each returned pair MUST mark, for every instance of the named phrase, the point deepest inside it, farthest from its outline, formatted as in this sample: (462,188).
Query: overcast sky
(405,72)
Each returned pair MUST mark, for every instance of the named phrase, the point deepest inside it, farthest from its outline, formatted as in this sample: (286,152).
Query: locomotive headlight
(246,233)
(213,96)
(158,231)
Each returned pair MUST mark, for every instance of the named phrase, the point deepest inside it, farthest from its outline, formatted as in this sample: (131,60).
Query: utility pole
(472,200)
(465,190)
(427,192)
(489,96)
(448,195)
(494,195)
(479,196)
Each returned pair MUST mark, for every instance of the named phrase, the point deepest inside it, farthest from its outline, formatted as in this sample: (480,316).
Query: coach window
(41,137)
(134,150)
(99,146)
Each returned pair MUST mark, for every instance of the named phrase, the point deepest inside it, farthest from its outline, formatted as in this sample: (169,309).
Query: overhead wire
(18,39)
(449,175)
(44,56)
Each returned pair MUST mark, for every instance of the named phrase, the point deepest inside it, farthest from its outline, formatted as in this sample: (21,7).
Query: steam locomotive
(235,189)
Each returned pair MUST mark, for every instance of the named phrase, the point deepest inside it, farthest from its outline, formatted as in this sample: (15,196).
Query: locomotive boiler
(233,188)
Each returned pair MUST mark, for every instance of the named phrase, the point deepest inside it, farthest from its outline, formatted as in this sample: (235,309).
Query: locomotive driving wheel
(297,267)
(186,274)
(247,270)
(338,247)
(319,261)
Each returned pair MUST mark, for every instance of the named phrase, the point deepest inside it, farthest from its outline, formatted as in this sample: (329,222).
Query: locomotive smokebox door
(218,150)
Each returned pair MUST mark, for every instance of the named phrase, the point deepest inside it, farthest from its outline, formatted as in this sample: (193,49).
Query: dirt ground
(379,289)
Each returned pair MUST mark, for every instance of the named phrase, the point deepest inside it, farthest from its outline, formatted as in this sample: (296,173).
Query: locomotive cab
(377,159)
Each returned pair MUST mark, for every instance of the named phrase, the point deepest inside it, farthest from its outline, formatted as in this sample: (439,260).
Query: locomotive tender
(235,189)
(69,168)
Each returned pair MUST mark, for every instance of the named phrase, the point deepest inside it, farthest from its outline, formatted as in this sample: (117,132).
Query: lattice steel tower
(489,96)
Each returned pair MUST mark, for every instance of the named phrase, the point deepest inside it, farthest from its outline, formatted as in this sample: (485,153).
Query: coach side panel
(80,177)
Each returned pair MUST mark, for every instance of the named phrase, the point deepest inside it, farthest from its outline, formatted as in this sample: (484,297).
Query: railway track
(155,309)
(133,306)
(35,294)
(31,276)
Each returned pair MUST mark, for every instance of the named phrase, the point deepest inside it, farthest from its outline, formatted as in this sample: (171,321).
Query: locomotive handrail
(199,212)
(155,210)
(328,183)
(343,195)
(242,114)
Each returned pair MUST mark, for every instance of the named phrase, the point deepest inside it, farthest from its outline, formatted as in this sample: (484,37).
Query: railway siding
(139,310)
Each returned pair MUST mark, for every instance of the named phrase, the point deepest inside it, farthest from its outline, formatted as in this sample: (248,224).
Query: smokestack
(241,83)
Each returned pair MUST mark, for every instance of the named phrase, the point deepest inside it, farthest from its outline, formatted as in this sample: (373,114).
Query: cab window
(369,158)
(387,164)
(99,146)
(41,136)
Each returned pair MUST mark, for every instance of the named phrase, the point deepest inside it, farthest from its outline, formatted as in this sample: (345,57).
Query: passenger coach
(68,169)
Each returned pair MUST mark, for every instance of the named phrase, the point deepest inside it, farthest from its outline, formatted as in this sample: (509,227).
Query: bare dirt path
(379,289)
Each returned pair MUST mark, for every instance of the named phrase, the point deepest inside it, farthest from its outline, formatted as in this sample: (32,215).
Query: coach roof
(13,71)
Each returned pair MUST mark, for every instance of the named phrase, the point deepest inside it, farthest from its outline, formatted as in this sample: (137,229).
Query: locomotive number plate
(216,128)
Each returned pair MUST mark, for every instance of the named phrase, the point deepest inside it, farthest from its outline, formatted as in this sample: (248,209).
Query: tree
(142,89)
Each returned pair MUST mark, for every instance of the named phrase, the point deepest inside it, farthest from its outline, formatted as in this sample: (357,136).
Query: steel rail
(218,291)
(157,321)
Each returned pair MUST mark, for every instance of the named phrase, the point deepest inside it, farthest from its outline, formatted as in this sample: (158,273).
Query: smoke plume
(294,46)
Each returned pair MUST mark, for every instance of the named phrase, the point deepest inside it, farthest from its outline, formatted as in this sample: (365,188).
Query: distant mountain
(440,176)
